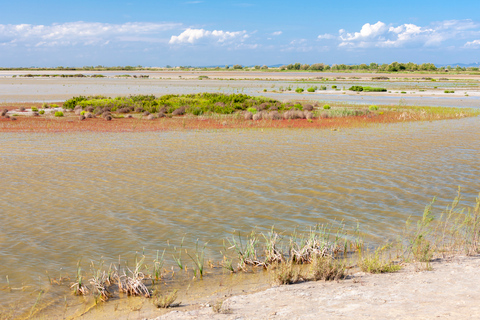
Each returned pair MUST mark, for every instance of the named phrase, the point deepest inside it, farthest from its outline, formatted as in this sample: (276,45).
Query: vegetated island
(207,111)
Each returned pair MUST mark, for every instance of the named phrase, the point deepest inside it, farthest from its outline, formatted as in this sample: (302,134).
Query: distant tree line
(392,67)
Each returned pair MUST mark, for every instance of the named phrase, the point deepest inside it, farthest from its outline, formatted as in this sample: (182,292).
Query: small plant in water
(198,260)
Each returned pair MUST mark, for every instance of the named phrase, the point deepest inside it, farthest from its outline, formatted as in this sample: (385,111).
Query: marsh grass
(286,273)
(378,262)
(198,259)
(327,269)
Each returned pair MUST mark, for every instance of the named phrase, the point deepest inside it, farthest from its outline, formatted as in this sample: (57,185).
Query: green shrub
(449,91)
(334,87)
(367,89)
(356,88)
(373,108)
(323,88)
(372,89)
(312,89)
(45,106)
(197,111)
(34,109)
(58,114)
(54,106)
(252,110)
(83,112)
(41,111)
(403,92)
(298,106)
(326,107)
(299,90)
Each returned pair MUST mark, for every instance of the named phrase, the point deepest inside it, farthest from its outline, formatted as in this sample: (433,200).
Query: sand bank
(449,291)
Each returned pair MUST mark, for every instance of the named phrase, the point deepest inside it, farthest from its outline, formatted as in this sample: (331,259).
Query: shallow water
(61,89)
(85,195)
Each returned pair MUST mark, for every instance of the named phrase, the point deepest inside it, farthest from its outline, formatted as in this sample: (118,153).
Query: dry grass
(327,269)
(166,301)
(286,273)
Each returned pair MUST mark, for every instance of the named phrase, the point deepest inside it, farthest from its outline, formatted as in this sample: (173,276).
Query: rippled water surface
(88,195)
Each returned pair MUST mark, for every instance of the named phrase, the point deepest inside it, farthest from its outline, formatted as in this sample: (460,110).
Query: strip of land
(449,291)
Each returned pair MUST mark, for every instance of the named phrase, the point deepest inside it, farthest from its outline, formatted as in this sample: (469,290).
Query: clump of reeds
(378,262)
(286,273)
(133,283)
(327,268)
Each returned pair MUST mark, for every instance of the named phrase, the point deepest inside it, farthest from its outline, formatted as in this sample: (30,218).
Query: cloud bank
(193,36)
(381,35)
(86,33)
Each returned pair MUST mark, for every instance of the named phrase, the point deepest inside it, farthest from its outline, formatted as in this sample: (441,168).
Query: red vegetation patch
(73,124)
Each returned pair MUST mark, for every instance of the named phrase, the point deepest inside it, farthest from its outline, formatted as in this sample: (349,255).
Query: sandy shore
(450,291)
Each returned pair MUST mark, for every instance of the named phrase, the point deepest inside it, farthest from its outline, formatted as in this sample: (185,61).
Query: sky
(151,33)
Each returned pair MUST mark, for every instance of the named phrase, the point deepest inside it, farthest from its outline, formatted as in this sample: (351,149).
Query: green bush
(41,111)
(54,106)
(403,92)
(312,89)
(373,108)
(298,106)
(323,88)
(299,90)
(252,110)
(356,88)
(34,109)
(334,87)
(367,89)
(372,89)
(83,112)
(58,114)
(326,107)
(449,91)
(197,111)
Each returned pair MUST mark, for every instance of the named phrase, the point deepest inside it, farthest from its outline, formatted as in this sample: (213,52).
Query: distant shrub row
(367,89)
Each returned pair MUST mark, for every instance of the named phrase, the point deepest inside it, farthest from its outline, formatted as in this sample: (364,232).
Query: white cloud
(475,44)
(277,33)
(368,31)
(192,36)
(327,36)
(383,35)
(86,33)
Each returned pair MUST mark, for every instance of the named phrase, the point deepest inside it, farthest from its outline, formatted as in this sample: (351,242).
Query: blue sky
(199,33)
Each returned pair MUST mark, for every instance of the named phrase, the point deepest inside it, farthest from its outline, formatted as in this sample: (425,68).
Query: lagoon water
(91,196)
